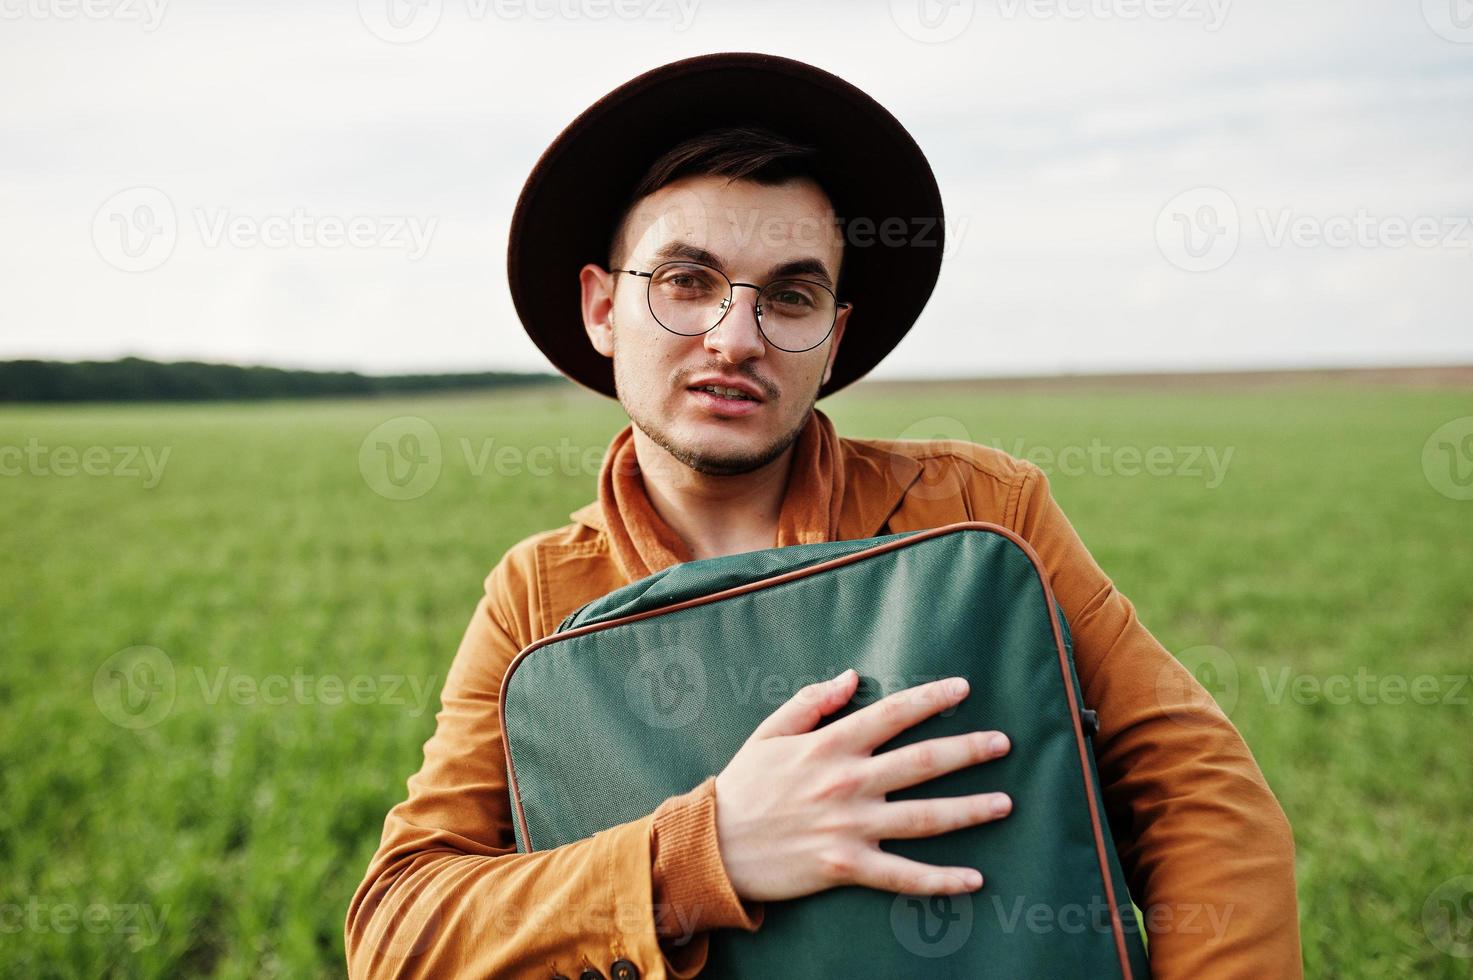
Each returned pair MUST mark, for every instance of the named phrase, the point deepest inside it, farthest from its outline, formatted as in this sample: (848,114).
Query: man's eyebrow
(807,266)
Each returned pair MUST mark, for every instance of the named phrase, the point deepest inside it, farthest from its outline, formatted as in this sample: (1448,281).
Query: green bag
(643,693)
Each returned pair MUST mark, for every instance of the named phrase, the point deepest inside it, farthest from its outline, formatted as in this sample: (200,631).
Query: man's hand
(799,811)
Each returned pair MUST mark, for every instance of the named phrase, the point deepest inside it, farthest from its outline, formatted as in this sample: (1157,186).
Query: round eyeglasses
(689,298)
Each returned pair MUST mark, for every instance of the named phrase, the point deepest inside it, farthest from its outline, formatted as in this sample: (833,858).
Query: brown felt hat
(881,186)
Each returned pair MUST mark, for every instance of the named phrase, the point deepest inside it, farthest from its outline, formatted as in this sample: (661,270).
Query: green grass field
(291,625)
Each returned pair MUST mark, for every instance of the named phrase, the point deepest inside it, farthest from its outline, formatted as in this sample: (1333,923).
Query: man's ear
(839,321)
(598,307)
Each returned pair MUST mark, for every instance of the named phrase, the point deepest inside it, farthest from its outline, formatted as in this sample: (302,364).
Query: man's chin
(724,455)
(715,448)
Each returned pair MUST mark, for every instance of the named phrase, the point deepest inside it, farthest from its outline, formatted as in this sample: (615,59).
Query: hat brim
(879,181)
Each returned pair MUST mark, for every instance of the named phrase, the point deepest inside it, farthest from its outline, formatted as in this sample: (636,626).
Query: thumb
(802,712)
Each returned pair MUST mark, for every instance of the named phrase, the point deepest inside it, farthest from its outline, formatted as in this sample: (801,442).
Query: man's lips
(724,405)
(738,384)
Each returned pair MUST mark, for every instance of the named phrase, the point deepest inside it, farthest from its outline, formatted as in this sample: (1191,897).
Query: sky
(1130,185)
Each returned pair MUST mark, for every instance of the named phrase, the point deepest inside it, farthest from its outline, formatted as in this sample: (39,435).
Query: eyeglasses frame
(731,295)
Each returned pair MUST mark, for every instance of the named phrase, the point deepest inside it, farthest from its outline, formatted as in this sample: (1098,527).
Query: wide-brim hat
(879,181)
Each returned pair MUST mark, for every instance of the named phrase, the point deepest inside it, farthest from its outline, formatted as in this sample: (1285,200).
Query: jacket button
(623,970)
(590,973)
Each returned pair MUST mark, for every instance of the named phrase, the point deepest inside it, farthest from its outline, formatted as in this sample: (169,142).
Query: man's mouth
(723,392)
(724,401)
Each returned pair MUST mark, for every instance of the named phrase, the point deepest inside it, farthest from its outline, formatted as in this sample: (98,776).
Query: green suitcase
(643,693)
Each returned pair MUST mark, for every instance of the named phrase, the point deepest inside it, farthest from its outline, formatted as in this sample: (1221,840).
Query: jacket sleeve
(1206,849)
(447,893)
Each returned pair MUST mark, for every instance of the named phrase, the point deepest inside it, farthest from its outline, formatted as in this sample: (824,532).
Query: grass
(226,834)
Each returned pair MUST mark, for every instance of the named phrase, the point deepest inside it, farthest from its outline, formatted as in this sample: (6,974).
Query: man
(718,300)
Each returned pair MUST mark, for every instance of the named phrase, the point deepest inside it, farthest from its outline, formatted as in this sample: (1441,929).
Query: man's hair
(736,153)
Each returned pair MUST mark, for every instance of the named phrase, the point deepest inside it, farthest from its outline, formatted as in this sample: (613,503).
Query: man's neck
(715,515)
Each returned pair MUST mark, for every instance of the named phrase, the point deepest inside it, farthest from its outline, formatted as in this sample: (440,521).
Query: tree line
(138,379)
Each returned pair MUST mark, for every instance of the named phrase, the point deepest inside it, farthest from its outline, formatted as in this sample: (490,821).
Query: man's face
(753,233)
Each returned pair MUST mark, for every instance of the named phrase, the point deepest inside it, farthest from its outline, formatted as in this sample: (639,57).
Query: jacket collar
(838,489)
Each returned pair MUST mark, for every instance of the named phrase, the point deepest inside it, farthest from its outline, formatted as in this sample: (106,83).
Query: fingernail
(958,685)
(999,743)
(844,674)
(973,879)
(1001,804)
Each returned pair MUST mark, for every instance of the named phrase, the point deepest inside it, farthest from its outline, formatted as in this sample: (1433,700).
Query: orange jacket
(1206,849)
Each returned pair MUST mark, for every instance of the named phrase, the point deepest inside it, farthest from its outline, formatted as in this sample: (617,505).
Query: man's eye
(790,297)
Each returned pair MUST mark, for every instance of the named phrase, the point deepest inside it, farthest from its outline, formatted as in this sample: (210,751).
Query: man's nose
(737,337)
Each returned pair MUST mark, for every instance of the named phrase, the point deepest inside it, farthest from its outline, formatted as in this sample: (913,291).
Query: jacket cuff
(691,890)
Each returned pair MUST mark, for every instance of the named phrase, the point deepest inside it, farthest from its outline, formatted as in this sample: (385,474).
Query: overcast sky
(1129,184)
